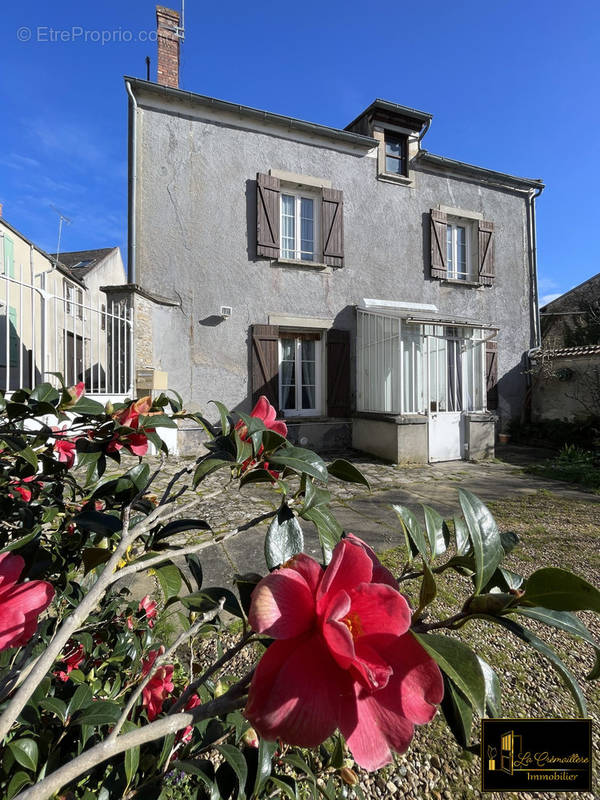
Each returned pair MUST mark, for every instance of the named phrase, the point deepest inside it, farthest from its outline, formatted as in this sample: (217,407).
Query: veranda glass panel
(378,363)
(413,400)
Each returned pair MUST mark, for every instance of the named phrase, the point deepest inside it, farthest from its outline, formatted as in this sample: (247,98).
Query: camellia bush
(105,695)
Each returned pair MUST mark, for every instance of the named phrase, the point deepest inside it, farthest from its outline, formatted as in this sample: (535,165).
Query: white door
(445,424)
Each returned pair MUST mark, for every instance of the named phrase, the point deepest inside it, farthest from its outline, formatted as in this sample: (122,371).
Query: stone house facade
(378,294)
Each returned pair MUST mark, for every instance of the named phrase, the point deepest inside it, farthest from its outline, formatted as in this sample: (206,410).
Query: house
(573,319)
(378,294)
(56,319)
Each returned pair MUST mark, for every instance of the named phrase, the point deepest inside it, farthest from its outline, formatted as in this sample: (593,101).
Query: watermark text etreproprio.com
(46,34)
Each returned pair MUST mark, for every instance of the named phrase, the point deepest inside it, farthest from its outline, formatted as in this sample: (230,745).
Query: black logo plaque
(543,755)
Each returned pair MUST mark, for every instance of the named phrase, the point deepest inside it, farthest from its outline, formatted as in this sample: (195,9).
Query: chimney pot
(167,30)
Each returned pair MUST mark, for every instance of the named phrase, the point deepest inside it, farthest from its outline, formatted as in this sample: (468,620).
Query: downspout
(132,185)
(422,134)
(534,276)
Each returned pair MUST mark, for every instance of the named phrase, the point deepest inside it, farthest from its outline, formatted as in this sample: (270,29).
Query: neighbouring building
(376,293)
(55,318)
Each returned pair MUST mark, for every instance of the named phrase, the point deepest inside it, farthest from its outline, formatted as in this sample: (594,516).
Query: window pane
(449,248)
(461,246)
(288,373)
(308,372)
(395,165)
(287,349)
(288,223)
(394,147)
(308,397)
(308,350)
(288,397)
(307,235)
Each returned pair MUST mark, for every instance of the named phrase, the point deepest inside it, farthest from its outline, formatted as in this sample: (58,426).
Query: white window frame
(298,411)
(452,225)
(299,195)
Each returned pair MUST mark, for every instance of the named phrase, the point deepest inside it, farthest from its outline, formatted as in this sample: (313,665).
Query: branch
(449,622)
(234,699)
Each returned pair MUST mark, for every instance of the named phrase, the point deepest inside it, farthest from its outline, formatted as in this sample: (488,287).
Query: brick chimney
(167,27)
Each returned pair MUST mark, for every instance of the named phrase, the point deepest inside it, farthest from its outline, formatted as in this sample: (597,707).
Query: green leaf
(195,567)
(457,712)
(45,393)
(194,768)
(100,712)
(207,466)
(560,590)
(93,557)
(238,763)
(138,475)
(169,578)
(156,421)
(85,405)
(263,768)
(284,538)
(414,531)
(565,621)
(180,525)
(208,599)
(272,441)
(18,543)
(55,706)
(484,535)
(462,536)
(314,496)
(509,541)
(245,585)
(25,752)
(29,455)
(492,689)
(329,529)
(96,522)
(132,762)
(257,475)
(243,448)
(168,743)
(284,784)
(428,590)
(82,697)
(503,579)
(224,414)
(530,638)
(460,663)
(346,471)
(437,531)
(18,781)
(301,461)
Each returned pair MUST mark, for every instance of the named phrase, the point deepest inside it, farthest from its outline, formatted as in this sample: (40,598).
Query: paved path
(367,514)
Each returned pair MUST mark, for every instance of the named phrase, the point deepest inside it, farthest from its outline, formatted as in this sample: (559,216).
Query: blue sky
(512,85)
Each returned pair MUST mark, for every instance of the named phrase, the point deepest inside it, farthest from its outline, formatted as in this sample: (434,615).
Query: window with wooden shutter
(438,244)
(267,216)
(332,227)
(486,253)
(491,374)
(338,373)
(265,363)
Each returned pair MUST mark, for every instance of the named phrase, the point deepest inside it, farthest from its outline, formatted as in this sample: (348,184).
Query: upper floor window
(458,250)
(462,246)
(299,224)
(396,153)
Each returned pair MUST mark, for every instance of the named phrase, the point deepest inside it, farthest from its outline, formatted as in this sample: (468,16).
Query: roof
(575,290)
(481,173)
(290,123)
(570,352)
(81,262)
(57,264)
(379,106)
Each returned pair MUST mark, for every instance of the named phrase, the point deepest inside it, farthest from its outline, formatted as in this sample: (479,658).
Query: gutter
(132,186)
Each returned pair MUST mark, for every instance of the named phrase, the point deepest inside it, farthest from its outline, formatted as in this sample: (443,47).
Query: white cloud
(548,298)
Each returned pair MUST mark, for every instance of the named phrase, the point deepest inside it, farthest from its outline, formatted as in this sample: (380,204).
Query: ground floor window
(299,373)
(411,368)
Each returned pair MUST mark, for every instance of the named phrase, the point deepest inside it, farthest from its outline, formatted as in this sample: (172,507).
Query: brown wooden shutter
(486,253)
(332,227)
(438,244)
(267,215)
(491,374)
(265,363)
(338,373)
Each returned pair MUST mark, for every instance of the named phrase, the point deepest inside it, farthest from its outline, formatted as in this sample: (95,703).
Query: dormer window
(396,153)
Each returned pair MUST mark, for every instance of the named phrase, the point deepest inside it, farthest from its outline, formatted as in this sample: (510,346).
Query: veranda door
(445,427)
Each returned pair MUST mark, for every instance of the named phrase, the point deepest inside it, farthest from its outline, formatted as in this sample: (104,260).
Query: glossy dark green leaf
(200,769)
(457,712)
(565,621)
(29,455)
(286,785)
(55,706)
(461,533)
(314,496)
(45,393)
(25,752)
(560,590)
(414,531)
(257,475)
(484,535)
(208,599)
(181,525)
(132,762)
(166,749)
(82,697)
(195,567)
(530,638)
(284,538)
(428,590)
(460,663)
(271,440)
(263,770)
(18,543)
(97,522)
(224,415)
(169,578)
(100,712)
(17,782)
(493,692)
(243,448)
(156,421)
(503,579)
(509,541)
(329,529)
(238,763)
(346,471)
(245,585)
(94,556)
(87,406)
(301,461)
(437,531)
(208,466)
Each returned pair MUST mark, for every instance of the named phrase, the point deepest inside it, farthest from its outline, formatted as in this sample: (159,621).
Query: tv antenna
(61,218)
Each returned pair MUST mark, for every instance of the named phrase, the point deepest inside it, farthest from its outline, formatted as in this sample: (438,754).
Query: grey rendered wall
(196,241)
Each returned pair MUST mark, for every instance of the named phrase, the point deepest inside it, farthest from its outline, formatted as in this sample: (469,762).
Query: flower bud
(250,737)
(109,408)
(493,603)
(348,776)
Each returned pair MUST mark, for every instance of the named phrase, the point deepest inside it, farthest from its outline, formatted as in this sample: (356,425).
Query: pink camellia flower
(75,393)
(73,658)
(160,685)
(343,657)
(264,411)
(185,735)
(149,606)
(136,441)
(16,486)
(20,604)
(65,452)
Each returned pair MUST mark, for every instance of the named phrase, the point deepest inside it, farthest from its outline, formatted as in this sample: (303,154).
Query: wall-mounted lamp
(226,311)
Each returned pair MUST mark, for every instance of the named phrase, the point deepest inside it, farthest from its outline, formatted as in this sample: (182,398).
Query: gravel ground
(554,532)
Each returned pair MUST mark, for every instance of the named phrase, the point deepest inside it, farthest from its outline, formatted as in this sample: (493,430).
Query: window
(79,303)
(458,250)
(299,374)
(299,227)
(396,151)
(462,246)
(69,295)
